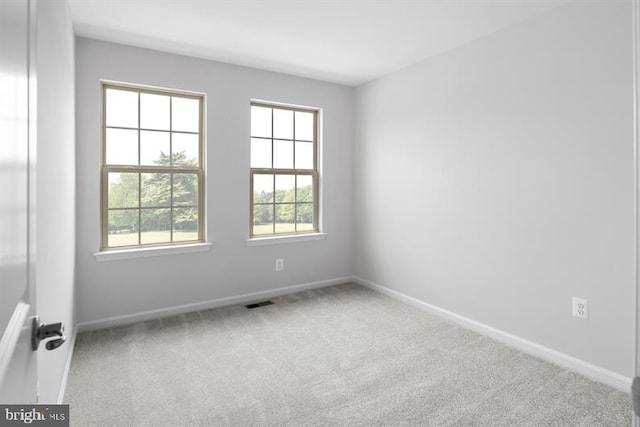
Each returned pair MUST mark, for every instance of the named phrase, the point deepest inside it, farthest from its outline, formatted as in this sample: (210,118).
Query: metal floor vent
(259,304)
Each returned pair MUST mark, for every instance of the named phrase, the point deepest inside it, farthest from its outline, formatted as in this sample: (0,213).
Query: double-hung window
(152,172)
(284,170)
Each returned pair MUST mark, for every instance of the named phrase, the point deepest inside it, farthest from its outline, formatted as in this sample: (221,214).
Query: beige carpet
(342,355)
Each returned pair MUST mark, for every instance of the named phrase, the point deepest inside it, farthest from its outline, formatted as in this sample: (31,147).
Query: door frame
(635,25)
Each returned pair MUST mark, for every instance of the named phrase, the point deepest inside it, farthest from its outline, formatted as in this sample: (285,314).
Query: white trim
(277,240)
(283,105)
(11,336)
(205,305)
(153,251)
(577,365)
(67,367)
(137,86)
(635,25)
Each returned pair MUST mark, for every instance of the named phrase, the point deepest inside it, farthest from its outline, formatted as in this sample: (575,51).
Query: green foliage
(167,196)
(161,195)
(286,210)
(124,194)
(185,219)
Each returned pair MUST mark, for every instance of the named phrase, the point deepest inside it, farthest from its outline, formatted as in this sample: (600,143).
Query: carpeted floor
(342,355)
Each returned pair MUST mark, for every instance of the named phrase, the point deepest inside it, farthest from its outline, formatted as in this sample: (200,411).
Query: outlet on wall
(580,308)
(279,264)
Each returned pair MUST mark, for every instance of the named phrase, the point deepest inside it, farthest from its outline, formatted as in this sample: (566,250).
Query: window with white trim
(152,172)
(284,170)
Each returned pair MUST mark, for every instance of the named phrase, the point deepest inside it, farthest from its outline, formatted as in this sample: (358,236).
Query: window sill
(149,252)
(276,240)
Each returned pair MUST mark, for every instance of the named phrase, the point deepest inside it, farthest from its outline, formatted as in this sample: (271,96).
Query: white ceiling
(343,41)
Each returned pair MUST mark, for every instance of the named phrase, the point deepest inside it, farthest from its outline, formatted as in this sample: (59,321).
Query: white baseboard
(577,365)
(204,305)
(67,367)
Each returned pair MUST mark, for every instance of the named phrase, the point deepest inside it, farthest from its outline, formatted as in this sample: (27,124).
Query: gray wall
(496,181)
(55,186)
(120,288)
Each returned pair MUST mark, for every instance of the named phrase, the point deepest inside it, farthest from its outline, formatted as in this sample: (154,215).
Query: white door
(18,367)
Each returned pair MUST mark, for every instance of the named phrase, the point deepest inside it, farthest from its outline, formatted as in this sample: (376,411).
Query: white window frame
(151,249)
(304,235)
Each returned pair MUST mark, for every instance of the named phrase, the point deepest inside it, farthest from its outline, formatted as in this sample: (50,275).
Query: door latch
(40,331)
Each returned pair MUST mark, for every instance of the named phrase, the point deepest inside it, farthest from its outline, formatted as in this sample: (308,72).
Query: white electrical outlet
(580,308)
(279,264)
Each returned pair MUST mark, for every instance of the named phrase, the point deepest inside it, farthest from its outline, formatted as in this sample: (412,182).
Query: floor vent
(259,304)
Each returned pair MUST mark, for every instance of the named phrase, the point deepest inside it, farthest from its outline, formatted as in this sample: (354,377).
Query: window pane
(304,155)
(155,226)
(285,185)
(285,218)
(304,188)
(185,189)
(123,190)
(283,139)
(185,224)
(262,219)
(144,129)
(156,190)
(154,148)
(261,121)
(304,126)
(185,149)
(154,111)
(262,188)
(122,147)
(304,216)
(260,153)
(282,123)
(121,108)
(282,154)
(122,228)
(185,114)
